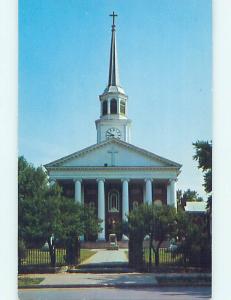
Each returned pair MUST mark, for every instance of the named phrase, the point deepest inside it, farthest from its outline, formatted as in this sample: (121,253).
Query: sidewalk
(65,280)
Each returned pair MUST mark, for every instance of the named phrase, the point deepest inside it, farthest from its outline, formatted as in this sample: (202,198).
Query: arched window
(113,107)
(122,107)
(113,201)
(104,110)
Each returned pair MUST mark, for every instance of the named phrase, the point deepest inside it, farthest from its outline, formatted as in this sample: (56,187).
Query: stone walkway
(107,256)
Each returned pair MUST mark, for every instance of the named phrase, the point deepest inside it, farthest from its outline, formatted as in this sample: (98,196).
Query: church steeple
(113,79)
(113,121)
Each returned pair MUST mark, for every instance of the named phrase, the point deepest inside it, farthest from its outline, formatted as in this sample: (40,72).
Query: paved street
(164,293)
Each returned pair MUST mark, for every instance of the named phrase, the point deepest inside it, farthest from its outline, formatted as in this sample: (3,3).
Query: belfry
(113,175)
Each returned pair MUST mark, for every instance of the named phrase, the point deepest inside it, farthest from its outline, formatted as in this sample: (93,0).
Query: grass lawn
(126,253)
(28,281)
(164,257)
(39,257)
(85,254)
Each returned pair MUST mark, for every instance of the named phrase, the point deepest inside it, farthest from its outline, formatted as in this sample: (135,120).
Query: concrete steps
(110,267)
(102,270)
(102,245)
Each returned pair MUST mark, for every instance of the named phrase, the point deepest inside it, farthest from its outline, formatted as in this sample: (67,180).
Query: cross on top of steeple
(113,79)
(113,19)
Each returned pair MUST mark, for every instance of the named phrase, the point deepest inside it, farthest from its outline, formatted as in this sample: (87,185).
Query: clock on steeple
(113,133)
(113,121)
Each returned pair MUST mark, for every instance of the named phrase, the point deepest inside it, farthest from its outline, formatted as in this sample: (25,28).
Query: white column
(108,107)
(78,190)
(168,194)
(101,207)
(173,201)
(118,106)
(78,195)
(148,189)
(125,199)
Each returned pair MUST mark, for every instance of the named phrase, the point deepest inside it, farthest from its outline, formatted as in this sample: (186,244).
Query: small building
(196,207)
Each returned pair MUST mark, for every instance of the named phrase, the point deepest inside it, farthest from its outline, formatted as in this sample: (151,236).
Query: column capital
(148,179)
(172,180)
(125,179)
(77,179)
(100,179)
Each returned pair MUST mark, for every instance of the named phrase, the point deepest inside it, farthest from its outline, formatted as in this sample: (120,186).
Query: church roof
(113,141)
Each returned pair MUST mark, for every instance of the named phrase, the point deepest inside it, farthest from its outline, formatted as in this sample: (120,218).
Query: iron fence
(38,257)
(168,258)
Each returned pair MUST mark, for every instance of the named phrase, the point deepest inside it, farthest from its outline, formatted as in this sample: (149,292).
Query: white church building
(114,175)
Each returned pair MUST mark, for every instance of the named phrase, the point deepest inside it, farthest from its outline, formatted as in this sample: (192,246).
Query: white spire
(113,78)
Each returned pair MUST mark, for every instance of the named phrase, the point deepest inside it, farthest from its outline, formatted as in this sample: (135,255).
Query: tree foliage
(193,239)
(136,232)
(91,223)
(204,158)
(163,223)
(31,181)
(47,216)
(159,226)
(203,154)
(155,221)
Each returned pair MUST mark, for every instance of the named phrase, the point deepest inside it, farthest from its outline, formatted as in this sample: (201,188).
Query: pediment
(113,152)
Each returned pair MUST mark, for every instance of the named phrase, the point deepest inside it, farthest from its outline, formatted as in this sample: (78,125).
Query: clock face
(113,133)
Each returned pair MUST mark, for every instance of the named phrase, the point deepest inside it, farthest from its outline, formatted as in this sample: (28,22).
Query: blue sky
(165,54)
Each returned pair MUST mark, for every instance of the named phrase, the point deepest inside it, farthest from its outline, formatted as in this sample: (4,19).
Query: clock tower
(113,121)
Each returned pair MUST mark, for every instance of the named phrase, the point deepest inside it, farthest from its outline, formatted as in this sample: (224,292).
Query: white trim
(111,141)
(109,168)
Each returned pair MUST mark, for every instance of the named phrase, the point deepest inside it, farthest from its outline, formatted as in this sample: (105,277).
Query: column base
(101,237)
(125,237)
